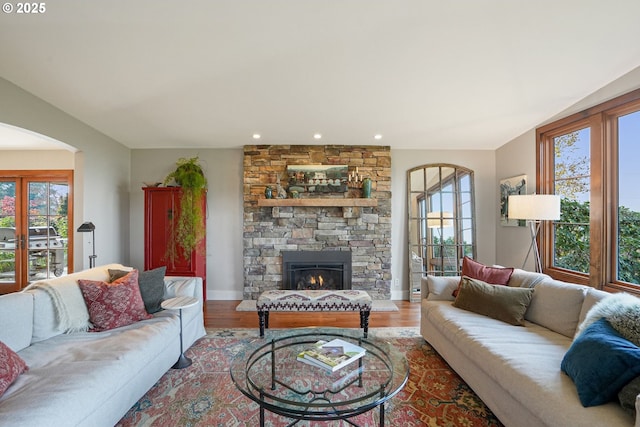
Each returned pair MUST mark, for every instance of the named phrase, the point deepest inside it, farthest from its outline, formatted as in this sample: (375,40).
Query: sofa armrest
(16,318)
(424,288)
(179,286)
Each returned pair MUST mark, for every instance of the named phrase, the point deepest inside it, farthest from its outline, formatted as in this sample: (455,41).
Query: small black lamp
(85,228)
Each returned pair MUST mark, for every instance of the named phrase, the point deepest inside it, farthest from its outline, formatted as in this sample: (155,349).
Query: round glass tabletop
(268,371)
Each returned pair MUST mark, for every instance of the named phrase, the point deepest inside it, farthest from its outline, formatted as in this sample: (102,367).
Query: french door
(35,226)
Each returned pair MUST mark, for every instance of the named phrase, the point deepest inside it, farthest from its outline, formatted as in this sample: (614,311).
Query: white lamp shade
(537,207)
(438,219)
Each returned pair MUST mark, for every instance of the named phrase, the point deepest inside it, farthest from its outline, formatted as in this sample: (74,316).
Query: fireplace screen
(316,270)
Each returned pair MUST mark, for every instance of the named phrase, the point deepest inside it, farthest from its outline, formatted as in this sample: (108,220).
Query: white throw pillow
(441,287)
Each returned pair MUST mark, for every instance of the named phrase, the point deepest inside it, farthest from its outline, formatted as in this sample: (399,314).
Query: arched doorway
(36,205)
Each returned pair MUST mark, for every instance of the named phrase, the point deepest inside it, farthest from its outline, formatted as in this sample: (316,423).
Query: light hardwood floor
(223,314)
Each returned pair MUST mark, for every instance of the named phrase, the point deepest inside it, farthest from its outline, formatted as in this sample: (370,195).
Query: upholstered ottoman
(287,300)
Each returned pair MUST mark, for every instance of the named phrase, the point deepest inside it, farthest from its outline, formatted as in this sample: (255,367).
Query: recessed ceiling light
(377,136)
(256,136)
(317,136)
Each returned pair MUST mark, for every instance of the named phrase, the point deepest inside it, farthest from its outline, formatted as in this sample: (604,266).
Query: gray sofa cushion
(556,305)
(526,279)
(628,394)
(592,297)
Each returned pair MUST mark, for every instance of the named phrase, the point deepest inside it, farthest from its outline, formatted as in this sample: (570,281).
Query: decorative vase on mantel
(366,188)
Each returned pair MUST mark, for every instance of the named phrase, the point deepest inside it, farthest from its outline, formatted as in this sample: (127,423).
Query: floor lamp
(440,220)
(534,208)
(87,227)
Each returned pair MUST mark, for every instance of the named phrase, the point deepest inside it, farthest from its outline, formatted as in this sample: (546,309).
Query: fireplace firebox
(310,270)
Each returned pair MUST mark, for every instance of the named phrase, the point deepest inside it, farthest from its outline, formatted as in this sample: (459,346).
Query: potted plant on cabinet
(189,230)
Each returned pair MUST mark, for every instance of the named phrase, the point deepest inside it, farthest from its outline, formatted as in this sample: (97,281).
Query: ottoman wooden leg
(263,319)
(364,321)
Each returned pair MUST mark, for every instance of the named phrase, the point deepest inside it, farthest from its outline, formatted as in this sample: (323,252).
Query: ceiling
(425,74)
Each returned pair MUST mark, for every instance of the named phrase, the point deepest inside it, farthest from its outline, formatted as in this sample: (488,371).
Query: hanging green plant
(189,229)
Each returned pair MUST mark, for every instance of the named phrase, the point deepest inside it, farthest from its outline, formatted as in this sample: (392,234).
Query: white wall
(223,169)
(37,159)
(101,180)
(482,162)
(518,157)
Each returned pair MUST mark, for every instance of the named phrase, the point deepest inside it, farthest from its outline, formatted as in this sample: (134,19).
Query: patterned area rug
(204,395)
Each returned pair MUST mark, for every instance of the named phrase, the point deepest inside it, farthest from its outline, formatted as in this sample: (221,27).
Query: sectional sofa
(516,369)
(88,378)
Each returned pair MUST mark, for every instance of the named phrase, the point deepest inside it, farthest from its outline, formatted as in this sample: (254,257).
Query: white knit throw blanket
(70,309)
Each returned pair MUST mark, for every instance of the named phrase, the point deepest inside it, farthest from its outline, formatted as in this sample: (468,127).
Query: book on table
(332,355)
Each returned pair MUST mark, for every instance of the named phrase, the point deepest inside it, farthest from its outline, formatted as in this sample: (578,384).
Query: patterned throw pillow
(479,271)
(151,284)
(11,366)
(116,304)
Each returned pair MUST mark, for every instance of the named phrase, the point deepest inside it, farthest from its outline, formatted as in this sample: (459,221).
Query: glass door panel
(34,226)
(8,242)
(48,229)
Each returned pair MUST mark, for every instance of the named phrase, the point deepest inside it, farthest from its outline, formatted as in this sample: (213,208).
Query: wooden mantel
(318,202)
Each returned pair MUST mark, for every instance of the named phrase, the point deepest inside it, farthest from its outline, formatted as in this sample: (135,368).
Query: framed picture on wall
(508,187)
(318,178)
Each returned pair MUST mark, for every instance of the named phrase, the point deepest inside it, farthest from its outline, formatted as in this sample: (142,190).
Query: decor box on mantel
(315,222)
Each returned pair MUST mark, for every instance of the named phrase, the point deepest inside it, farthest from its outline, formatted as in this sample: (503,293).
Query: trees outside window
(590,160)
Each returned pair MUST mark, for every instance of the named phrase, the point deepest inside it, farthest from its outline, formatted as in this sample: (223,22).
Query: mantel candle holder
(357,181)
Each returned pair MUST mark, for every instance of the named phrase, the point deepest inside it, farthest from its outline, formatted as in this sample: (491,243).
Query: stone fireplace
(316,270)
(336,222)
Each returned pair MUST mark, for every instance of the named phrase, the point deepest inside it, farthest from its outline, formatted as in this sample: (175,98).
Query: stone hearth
(364,231)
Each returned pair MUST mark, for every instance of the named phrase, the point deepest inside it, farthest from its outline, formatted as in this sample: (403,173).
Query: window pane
(571,182)
(628,238)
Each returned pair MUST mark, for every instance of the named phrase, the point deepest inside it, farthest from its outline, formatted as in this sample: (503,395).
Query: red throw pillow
(114,304)
(479,271)
(11,366)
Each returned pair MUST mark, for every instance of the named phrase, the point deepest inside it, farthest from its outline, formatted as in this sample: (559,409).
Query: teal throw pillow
(601,362)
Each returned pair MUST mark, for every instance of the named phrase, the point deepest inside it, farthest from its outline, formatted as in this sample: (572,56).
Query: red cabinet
(161,210)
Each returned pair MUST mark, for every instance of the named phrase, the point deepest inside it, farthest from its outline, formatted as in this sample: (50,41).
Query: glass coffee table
(268,372)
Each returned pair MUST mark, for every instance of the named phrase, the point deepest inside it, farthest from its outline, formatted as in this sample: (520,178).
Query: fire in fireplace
(308,270)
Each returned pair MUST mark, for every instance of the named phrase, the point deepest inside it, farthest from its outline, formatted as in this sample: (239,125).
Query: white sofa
(89,378)
(515,370)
